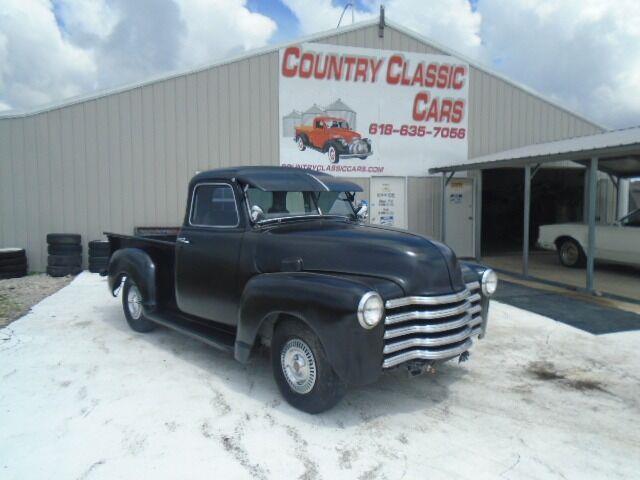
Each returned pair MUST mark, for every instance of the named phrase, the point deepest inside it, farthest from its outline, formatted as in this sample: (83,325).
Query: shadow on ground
(395,392)
(592,318)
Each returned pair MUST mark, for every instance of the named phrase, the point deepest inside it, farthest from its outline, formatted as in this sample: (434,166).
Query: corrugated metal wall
(124,160)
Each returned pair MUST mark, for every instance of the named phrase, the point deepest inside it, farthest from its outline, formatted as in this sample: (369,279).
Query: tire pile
(13,263)
(99,252)
(65,254)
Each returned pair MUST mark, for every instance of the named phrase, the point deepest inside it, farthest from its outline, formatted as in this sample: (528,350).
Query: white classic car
(618,243)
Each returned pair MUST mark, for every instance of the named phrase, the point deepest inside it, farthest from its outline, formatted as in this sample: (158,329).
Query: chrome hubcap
(300,144)
(332,154)
(134,302)
(569,253)
(298,366)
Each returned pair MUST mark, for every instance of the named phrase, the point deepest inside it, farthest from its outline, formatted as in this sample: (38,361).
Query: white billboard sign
(361,112)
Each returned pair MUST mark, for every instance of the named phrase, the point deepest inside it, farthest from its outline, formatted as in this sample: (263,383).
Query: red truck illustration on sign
(333,136)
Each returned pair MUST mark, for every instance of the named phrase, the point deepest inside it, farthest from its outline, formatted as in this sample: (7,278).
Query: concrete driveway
(82,396)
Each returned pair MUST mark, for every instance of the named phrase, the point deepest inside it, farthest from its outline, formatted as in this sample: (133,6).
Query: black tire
(98,264)
(13,262)
(63,239)
(6,253)
(301,143)
(362,157)
(17,273)
(99,248)
(333,154)
(99,260)
(136,320)
(570,253)
(64,249)
(327,389)
(64,260)
(63,271)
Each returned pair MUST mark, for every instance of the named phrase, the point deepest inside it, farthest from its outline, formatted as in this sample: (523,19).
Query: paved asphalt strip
(84,397)
(586,316)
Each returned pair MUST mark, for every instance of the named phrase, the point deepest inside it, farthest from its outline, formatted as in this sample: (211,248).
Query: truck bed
(161,249)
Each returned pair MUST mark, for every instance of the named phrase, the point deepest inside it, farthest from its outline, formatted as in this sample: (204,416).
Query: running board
(211,336)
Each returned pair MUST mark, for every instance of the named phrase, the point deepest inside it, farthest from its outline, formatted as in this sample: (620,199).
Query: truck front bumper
(436,328)
(357,148)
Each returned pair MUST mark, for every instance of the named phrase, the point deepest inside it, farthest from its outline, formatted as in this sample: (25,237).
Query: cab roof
(279,179)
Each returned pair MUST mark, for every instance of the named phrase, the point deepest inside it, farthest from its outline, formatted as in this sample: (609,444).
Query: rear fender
(137,265)
(327,305)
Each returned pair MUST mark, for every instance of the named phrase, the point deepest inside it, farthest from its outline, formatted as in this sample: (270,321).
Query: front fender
(138,265)
(328,305)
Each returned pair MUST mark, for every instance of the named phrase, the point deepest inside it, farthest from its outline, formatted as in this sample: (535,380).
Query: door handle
(183,240)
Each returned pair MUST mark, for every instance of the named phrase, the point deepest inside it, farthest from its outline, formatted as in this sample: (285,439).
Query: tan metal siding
(424,201)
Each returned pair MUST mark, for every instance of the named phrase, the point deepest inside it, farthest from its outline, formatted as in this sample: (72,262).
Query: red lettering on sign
(289,54)
(393,75)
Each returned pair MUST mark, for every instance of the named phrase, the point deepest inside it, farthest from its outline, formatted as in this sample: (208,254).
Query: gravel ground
(18,295)
(84,397)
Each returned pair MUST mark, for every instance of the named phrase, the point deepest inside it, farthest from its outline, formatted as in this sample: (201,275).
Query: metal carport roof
(617,150)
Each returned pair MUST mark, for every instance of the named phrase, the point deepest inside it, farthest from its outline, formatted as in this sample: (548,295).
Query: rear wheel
(571,254)
(133,311)
(301,369)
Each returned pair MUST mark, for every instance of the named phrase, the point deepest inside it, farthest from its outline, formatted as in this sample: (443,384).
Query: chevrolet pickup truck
(282,257)
(334,137)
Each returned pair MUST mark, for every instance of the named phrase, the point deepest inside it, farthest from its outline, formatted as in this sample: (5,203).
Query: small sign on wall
(389,201)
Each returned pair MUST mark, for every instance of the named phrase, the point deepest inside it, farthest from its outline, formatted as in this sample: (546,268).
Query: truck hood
(348,135)
(417,264)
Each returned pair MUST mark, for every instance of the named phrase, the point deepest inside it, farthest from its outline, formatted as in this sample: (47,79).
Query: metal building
(122,158)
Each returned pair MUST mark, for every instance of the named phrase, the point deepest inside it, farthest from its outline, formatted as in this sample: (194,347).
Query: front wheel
(301,369)
(133,311)
(571,254)
(300,143)
(332,153)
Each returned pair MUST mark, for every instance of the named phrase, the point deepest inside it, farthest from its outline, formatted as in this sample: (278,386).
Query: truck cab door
(317,134)
(207,253)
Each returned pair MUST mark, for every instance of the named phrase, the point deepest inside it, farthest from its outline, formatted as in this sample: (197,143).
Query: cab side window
(214,205)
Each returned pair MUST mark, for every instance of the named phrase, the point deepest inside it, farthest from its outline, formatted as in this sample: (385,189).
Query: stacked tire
(13,263)
(99,252)
(65,254)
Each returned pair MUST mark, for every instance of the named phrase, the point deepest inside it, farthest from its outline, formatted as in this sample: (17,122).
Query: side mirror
(256,213)
(362,212)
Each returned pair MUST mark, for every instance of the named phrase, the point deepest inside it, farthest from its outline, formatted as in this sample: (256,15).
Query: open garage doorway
(557,196)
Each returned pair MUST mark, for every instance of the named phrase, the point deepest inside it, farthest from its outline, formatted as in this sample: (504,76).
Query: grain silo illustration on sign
(311,113)
(290,122)
(340,109)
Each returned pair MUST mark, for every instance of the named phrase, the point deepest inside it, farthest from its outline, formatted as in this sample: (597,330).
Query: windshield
(632,220)
(275,205)
(335,203)
(282,204)
(337,124)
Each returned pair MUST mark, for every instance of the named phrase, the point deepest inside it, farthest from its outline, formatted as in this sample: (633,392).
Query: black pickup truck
(282,257)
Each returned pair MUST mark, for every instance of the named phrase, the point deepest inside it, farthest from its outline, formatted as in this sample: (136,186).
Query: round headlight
(489,282)
(370,310)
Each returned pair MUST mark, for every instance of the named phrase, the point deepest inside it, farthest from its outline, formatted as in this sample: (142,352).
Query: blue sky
(584,54)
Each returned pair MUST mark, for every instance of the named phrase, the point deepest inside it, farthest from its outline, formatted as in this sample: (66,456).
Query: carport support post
(526,222)
(591,216)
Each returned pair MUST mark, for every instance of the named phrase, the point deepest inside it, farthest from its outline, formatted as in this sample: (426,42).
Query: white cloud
(84,46)
(450,22)
(585,53)
(36,63)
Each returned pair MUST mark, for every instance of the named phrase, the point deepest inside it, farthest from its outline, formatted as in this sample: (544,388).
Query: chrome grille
(431,328)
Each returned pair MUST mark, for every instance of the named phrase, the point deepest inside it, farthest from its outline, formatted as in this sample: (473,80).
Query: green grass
(8,309)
